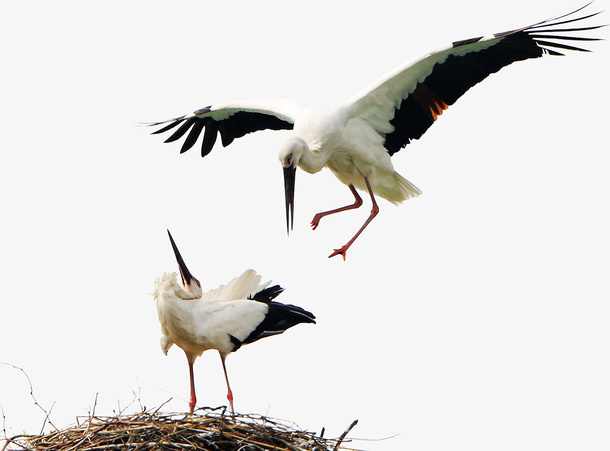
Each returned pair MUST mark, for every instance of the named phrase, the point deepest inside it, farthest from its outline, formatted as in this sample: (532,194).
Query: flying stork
(225,318)
(356,140)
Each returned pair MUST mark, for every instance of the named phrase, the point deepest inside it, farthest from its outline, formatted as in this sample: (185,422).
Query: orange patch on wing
(430,102)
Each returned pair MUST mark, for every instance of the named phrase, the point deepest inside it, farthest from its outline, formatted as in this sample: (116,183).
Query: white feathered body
(352,149)
(196,325)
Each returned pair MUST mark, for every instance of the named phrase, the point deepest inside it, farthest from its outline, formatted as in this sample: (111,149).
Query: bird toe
(341,251)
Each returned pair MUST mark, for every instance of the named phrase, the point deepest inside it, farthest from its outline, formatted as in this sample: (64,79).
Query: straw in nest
(209,429)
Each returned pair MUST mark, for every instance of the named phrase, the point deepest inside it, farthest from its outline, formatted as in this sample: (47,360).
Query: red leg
(193,397)
(374,212)
(229,393)
(357,203)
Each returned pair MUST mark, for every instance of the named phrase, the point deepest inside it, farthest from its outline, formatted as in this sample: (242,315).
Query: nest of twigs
(207,429)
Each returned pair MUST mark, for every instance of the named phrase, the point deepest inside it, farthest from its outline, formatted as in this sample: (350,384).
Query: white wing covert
(241,287)
(402,105)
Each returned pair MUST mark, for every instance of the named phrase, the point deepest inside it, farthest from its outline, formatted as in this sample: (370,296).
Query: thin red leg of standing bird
(374,212)
(193,397)
(357,203)
(229,393)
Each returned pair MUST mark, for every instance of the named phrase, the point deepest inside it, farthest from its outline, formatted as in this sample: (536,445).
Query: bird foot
(341,251)
(316,221)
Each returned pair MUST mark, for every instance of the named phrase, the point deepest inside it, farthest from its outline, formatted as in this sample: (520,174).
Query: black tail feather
(280,317)
(268,294)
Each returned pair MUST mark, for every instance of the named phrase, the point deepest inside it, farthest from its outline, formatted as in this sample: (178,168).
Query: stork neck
(313,161)
(187,295)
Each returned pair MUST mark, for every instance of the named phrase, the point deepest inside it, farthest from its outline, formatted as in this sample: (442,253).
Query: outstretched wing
(405,103)
(232,120)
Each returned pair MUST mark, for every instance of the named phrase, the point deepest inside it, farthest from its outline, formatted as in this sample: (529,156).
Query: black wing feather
(457,74)
(235,126)
(181,130)
(192,136)
(209,138)
(227,132)
(280,317)
(167,127)
(561,46)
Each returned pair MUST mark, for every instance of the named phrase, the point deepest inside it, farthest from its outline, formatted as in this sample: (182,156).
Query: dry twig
(47,414)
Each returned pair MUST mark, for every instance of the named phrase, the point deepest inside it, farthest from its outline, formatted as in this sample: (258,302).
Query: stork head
(291,153)
(189,282)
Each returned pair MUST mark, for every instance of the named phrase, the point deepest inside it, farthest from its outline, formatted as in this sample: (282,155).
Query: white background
(473,317)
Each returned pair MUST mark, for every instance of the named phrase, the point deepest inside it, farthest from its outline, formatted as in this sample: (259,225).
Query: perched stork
(356,140)
(224,319)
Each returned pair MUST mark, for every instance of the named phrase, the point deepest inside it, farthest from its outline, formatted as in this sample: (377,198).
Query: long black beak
(184,271)
(289,177)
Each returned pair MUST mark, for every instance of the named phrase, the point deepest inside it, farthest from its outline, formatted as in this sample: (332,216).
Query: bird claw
(341,251)
(316,221)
